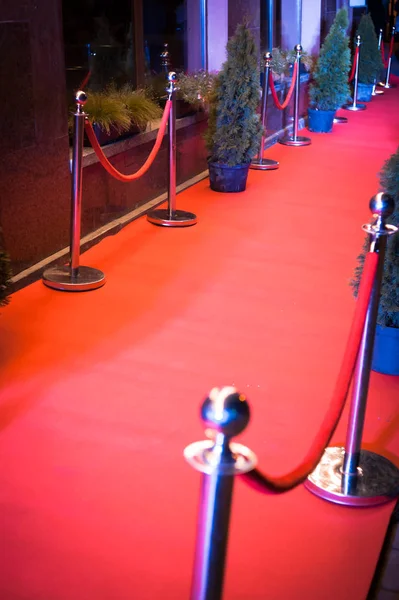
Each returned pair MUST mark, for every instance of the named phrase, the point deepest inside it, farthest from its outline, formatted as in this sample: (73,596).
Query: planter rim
(225,166)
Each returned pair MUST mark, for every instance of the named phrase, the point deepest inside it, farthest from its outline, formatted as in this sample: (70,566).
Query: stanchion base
(60,278)
(388,85)
(377,482)
(300,140)
(340,120)
(377,93)
(355,107)
(264,164)
(179,218)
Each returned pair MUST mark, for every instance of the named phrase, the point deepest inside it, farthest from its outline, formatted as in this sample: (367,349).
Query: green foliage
(370,61)
(329,89)
(283,60)
(234,127)
(107,110)
(388,309)
(196,88)
(5,277)
(141,109)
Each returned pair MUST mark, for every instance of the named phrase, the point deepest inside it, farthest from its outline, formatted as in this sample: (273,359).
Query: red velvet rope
(355,58)
(274,485)
(85,81)
(385,62)
(391,47)
(290,91)
(107,165)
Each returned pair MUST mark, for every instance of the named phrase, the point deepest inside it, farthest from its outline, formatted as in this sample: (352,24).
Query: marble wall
(34,168)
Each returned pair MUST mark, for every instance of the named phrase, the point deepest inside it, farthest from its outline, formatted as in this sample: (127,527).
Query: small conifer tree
(388,309)
(234,127)
(329,89)
(370,61)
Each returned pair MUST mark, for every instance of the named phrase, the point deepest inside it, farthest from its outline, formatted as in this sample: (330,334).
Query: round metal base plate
(299,141)
(340,120)
(355,108)
(377,481)
(60,278)
(377,93)
(387,86)
(180,218)
(265,164)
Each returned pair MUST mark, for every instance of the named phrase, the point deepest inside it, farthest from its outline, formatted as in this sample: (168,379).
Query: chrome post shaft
(171,217)
(386,84)
(355,106)
(75,277)
(260,163)
(350,475)
(76,190)
(172,148)
(376,92)
(226,413)
(295,139)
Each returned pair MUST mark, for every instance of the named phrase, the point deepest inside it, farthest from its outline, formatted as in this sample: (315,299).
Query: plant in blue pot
(234,127)
(386,345)
(329,89)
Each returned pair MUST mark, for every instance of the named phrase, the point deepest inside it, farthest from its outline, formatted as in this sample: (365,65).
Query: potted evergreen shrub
(370,61)
(386,345)
(234,127)
(329,89)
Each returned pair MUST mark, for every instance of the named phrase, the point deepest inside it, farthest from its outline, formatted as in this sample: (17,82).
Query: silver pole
(295,139)
(381,206)
(270,24)
(226,412)
(171,216)
(353,476)
(260,163)
(387,84)
(376,92)
(75,277)
(355,106)
(76,191)
(172,77)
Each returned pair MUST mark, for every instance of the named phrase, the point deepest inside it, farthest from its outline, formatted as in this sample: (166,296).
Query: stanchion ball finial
(225,411)
(298,48)
(267,56)
(358,39)
(172,77)
(81,97)
(382,205)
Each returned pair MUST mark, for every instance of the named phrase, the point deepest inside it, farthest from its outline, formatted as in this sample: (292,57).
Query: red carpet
(100,391)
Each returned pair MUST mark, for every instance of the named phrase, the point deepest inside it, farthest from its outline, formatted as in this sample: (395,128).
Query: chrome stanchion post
(260,163)
(225,414)
(295,139)
(350,475)
(355,106)
(171,217)
(75,277)
(386,84)
(376,92)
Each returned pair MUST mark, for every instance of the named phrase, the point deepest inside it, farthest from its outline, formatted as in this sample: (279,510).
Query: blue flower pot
(320,121)
(386,350)
(227,179)
(364,92)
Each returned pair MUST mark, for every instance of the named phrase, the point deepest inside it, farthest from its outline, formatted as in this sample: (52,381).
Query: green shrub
(234,127)
(370,61)
(329,89)
(388,309)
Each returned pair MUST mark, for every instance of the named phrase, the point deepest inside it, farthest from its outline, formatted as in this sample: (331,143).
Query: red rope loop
(385,61)
(355,59)
(290,91)
(273,485)
(111,169)
(390,48)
